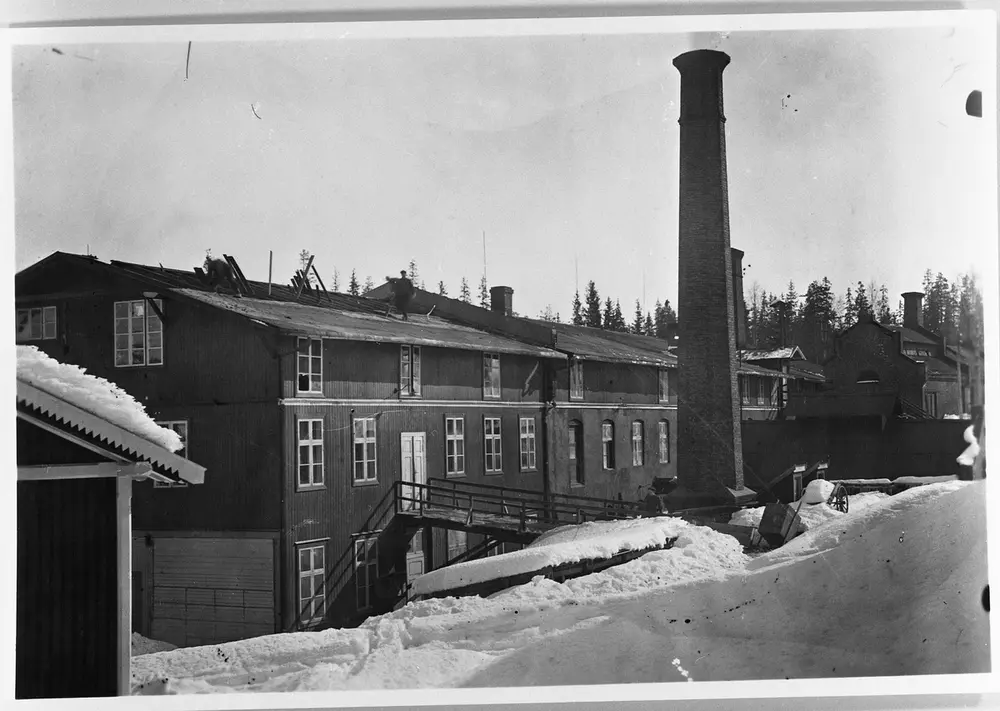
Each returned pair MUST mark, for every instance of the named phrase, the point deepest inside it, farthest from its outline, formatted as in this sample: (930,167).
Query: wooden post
(123,491)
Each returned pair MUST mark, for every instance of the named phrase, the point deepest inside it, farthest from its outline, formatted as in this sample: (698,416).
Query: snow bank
(595,540)
(817,491)
(916,480)
(95,395)
(890,588)
(810,515)
(144,645)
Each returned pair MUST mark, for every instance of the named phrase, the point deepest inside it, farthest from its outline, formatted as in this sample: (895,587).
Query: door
(416,561)
(414,467)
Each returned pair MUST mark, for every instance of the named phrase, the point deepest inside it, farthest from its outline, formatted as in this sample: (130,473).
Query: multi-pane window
(668,385)
(138,333)
(744,384)
(364,449)
(312,574)
(491,375)
(181,428)
(663,437)
(310,453)
(36,324)
(458,543)
(409,371)
(310,360)
(576,451)
(527,439)
(608,445)
(491,444)
(576,380)
(365,570)
(638,444)
(454,434)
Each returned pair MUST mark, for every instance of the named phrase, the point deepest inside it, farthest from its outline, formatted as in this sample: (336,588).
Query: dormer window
(491,376)
(138,333)
(36,324)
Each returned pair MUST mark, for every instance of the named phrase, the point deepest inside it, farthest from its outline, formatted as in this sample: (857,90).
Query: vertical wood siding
(67,589)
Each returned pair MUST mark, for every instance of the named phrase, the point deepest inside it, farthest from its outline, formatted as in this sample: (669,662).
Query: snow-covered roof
(68,394)
(789,353)
(596,540)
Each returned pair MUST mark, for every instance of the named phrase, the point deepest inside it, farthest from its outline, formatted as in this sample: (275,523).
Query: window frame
(638,453)
(184,451)
(529,438)
(495,452)
(318,597)
(312,359)
(311,442)
(456,438)
(42,312)
(409,372)
(607,446)
(574,440)
(366,544)
(576,389)
(663,440)
(148,313)
(364,441)
(491,367)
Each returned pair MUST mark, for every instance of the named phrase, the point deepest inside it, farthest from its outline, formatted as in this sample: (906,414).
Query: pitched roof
(789,353)
(36,405)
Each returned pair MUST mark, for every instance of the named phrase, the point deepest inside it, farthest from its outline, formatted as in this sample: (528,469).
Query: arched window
(638,444)
(608,444)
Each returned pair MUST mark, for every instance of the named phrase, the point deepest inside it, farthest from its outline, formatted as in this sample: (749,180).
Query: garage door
(212,590)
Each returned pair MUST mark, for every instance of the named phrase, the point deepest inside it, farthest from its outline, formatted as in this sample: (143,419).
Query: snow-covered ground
(811,515)
(890,588)
(95,395)
(144,645)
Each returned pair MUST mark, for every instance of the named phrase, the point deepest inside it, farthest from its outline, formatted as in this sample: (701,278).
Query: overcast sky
(849,152)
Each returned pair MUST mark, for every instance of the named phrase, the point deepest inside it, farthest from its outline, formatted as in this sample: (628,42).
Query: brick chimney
(502,300)
(739,306)
(709,440)
(913,312)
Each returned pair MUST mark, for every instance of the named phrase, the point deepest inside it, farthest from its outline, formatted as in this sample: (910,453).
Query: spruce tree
(441,288)
(413,271)
(336,280)
(369,285)
(592,316)
(861,303)
(484,293)
(637,319)
(577,310)
(353,288)
(648,329)
(608,322)
(850,309)
(464,294)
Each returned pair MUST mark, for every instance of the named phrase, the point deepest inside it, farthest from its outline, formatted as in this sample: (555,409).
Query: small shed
(76,462)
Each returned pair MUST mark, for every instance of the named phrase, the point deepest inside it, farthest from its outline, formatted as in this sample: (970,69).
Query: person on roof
(402,292)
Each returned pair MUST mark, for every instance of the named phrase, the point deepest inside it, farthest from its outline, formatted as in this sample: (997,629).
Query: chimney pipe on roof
(913,312)
(502,300)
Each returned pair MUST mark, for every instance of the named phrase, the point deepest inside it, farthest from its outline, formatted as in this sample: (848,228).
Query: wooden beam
(305,273)
(124,509)
(98,470)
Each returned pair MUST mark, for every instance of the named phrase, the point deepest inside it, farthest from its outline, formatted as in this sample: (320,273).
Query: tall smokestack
(739,306)
(709,441)
(913,312)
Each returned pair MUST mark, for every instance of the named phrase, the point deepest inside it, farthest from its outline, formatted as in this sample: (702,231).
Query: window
(310,365)
(668,386)
(364,449)
(931,404)
(576,451)
(454,435)
(181,428)
(491,376)
(138,334)
(608,445)
(638,444)
(310,453)
(663,436)
(312,578)
(36,324)
(458,543)
(365,569)
(527,431)
(409,371)
(576,380)
(491,444)
(744,389)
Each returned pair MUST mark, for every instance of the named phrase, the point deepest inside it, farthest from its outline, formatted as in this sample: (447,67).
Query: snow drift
(890,589)
(95,395)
